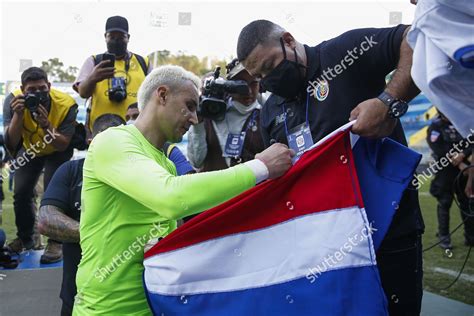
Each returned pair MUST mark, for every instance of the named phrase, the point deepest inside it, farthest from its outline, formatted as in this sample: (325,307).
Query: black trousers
(443,190)
(26,177)
(66,309)
(400,264)
(445,200)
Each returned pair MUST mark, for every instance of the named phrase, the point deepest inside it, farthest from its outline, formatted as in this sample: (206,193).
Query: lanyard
(284,113)
(252,121)
(249,123)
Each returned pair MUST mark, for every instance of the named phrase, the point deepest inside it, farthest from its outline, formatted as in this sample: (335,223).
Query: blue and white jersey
(442,38)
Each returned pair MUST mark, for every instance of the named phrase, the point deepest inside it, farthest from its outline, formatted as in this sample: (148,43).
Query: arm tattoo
(56,225)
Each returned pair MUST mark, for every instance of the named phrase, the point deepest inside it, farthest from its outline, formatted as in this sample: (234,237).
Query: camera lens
(31,102)
(117,95)
(214,108)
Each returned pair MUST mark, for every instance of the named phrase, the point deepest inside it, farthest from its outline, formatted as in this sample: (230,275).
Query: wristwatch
(396,107)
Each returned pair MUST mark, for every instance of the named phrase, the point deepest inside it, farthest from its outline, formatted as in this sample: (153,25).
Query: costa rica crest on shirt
(322,89)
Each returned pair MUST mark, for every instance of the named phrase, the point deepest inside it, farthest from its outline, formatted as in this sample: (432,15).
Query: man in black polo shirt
(316,89)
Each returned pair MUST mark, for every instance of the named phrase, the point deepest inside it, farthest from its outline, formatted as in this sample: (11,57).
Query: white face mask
(244,109)
(129,122)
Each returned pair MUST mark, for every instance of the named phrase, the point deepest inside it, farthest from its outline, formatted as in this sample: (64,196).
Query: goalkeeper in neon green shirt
(131,193)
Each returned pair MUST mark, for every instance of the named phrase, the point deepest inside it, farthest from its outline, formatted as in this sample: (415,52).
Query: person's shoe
(445,242)
(17,245)
(469,242)
(52,253)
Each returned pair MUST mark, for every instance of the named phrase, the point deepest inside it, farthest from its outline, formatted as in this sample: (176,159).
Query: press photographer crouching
(38,123)
(228,132)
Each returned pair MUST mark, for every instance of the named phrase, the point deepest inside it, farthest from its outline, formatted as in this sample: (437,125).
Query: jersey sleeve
(371,51)
(182,164)
(127,168)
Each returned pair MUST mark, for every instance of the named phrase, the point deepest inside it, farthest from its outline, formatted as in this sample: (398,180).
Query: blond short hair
(172,76)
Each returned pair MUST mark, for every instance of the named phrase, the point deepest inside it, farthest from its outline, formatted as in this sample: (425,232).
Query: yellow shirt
(35,136)
(101,104)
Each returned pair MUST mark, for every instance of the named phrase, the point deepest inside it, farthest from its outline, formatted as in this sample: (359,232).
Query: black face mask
(117,47)
(286,79)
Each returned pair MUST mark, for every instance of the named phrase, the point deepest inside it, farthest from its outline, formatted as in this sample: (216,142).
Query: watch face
(398,109)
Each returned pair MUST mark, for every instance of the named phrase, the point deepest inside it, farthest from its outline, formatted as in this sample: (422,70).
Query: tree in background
(189,62)
(56,70)
(58,73)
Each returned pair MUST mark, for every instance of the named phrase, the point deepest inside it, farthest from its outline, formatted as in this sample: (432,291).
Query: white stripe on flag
(330,135)
(264,257)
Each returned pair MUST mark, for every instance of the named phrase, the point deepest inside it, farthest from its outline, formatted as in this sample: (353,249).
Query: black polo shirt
(354,66)
(64,192)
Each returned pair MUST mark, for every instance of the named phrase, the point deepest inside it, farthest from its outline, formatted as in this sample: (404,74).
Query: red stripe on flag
(323,179)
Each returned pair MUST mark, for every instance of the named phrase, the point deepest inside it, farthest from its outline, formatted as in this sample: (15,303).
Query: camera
(33,100)
(212,103)
(117,89)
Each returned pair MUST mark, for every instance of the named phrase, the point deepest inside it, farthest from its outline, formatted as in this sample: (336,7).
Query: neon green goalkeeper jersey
(131,194)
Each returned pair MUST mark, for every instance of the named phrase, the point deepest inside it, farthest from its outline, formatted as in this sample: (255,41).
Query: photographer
(216,144)
(39,123)
(112,79)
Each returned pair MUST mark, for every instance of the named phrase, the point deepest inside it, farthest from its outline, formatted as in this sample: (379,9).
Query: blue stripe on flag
(359,297)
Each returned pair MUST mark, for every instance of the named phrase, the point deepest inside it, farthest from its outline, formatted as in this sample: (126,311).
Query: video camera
(212,103)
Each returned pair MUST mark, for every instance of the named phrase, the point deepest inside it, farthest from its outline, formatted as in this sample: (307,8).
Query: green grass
(461,291)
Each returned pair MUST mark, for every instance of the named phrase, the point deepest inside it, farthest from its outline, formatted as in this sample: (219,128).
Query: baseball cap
(238,67)
(116,24)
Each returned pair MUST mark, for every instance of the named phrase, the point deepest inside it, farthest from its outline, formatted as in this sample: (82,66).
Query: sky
(74,30)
